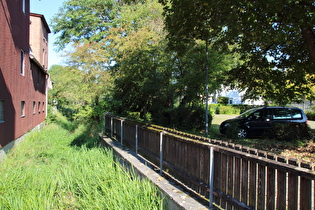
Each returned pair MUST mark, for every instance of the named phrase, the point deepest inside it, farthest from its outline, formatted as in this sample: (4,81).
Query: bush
(134,116)
(227,110)
(184,118)
(223,100)
(51,114)
(212,108)
(233,130)
(310,114)
(190,118)
(285,132)
(244,107)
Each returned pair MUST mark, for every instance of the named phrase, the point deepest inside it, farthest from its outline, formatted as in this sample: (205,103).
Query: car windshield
(247,113)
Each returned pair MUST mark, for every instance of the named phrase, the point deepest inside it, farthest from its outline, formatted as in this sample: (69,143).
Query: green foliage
(130,70)
(223,100)
(51,115)
(285,132)
(276,51)
(185,118)
(212,108)
(59,169)
(310,114)
(134,116)
(233,131)
(244,107)
(228,109)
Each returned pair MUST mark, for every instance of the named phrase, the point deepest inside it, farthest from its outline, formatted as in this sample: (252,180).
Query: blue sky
(48,8)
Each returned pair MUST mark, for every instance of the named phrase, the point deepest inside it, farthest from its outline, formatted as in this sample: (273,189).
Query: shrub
(134,116)
(185,118)
(227,110)
(233,130)
(310,114)
(285,132)
(212,108)
(223,100)
(51,114)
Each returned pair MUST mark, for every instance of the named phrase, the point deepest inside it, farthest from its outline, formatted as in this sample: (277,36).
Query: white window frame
(1,111)
(22,62)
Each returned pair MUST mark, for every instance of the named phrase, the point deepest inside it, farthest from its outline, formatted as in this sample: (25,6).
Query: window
(296,114)
(23,6)
(43,106)
(22,108)
(22,62)
(38,107)
(1,111)
(281,114)
(34,106)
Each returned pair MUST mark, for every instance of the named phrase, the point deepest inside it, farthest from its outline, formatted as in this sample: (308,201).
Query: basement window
(22,108)
(34,106)
(1,111)
(22,62)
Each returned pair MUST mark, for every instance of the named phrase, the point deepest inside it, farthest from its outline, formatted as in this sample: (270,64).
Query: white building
(235,97)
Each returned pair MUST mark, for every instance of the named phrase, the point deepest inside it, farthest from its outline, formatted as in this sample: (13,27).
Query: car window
(296,114)
(247,113)
(257,114)
(262,114)
(267,114)
(281,114)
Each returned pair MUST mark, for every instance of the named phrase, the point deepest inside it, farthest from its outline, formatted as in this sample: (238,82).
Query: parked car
(264,120)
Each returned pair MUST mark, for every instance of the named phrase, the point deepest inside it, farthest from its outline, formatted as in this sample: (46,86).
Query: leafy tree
(123,59)
(275,40)
(190,71)
(142,73)
(82,91)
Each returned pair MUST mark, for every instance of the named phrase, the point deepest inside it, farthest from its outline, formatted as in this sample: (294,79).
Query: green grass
(61,169)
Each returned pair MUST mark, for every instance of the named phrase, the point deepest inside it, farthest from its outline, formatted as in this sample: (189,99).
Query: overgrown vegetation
(62,167)
(310,113)
(130,69)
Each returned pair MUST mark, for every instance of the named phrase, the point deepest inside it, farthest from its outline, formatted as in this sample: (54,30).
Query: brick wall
(14,86)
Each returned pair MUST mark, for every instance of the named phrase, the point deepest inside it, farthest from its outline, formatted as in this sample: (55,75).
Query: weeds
(61,167)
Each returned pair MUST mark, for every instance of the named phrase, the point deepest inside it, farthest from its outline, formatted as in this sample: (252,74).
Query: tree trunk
(309,37)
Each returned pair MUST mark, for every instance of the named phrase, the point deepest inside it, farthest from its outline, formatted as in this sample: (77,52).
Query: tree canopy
(120,52)
(275,40)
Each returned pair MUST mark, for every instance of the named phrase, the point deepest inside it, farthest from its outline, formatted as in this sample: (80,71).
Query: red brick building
(23,76)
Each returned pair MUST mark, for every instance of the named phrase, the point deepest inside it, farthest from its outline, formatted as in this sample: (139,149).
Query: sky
(48,8)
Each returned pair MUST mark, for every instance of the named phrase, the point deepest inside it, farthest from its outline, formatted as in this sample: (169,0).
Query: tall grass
(50,170)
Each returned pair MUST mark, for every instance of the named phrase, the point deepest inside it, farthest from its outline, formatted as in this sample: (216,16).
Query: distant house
(235,97)
(24,79)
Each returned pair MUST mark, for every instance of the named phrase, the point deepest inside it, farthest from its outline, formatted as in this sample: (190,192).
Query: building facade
(23,77)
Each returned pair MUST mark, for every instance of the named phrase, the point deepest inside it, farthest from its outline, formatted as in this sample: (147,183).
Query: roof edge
(43,19)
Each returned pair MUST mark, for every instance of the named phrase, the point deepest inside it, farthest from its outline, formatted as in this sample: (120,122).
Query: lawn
(61,169)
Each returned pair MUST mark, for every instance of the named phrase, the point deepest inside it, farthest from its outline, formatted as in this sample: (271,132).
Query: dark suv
(260,121)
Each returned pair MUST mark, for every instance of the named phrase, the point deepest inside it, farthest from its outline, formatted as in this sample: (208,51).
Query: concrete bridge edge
(174,196)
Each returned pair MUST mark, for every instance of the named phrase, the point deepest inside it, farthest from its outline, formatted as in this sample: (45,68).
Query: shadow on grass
(87,136)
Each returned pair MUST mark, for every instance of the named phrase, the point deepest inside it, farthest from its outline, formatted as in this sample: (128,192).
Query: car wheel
(242,133)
